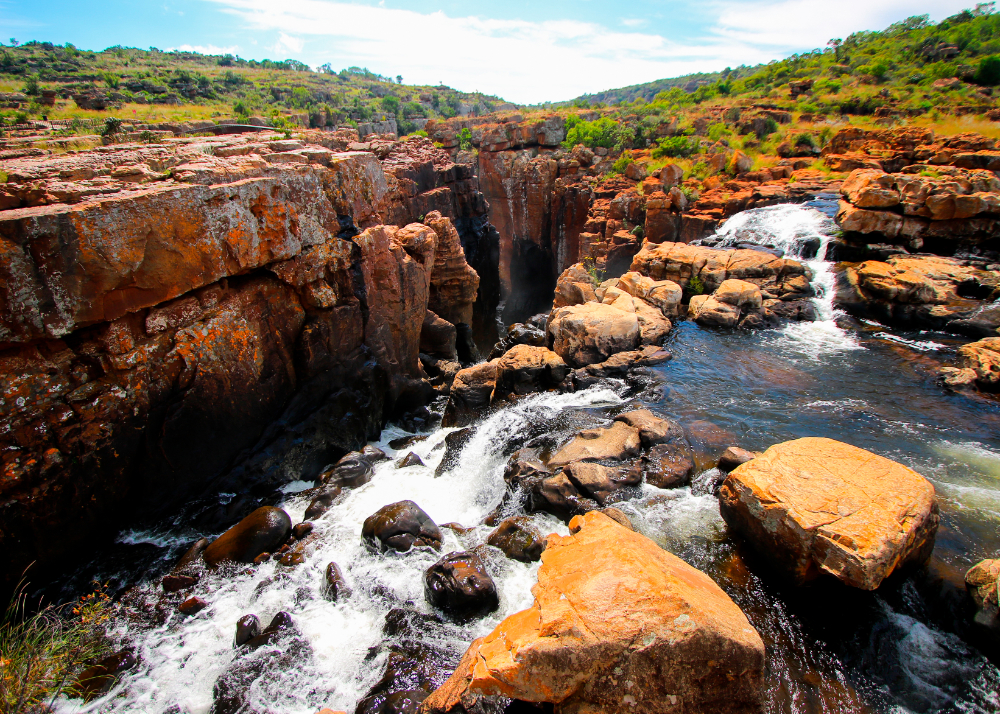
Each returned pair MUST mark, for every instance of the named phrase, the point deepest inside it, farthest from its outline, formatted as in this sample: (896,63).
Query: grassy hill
(906,67)
(150,85)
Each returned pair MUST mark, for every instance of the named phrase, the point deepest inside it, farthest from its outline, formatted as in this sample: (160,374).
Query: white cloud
(634,22)
(206,49)
(533,61)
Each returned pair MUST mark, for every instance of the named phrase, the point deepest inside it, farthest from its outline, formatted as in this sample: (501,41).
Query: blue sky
(524,51)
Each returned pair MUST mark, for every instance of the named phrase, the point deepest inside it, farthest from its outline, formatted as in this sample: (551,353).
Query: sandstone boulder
(263,531)
(816,505)
(400,526)
(983,584)
(978,364)
(603,484)
(574,286)
(460,585)
(617,442)
(525,369)
(668,460)
(663,294)
(618,625)
(592,332)
(471,393)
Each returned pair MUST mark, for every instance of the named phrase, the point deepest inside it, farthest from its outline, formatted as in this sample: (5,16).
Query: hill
(42,79)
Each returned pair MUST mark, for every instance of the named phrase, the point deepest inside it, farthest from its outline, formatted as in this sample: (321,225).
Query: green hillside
(913,66)
(152,85)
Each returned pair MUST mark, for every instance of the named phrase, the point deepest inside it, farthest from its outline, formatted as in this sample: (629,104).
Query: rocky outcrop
(814,505)
(924,291)
(618,625)
(977,365)
(206,313)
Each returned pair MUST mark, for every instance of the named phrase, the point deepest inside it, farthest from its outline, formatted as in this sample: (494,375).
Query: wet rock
(471,393)
(525,466)
(453,445)
(518,539)
(438,337)
(322,502)
(602,483)
(559,496)
(301,530)
(247,627)
(399,527)
(192,606)
(525,369)
(669,465)
(592,332)
(618,516)
(983,583)
(373,454)
(592,605)
(174,583)
(411,459)
(734,456)
(280,625)
(816,505)
(708,441)
(652,428)
(335,585)
(264,530)
(351,471)
(617,442)
(978,365)
(619,366)
(192,556)
(460,585)
(404,441)
(297,553)
(99,678)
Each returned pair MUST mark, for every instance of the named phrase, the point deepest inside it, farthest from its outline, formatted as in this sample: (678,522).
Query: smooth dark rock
(193,554)
(669,465)
(350,472)
(518,539)
(262,531)
(322,502)
(335,586)
(281,624)
(247,627)
(411,459)
(602,483)
(373,454)
(460,585)
(453,445)
(192,606)
(400,526)
(174,583)
(99,678)
(301,530)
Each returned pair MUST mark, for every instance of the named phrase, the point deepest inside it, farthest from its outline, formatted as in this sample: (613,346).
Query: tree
(399,79)
(835,44)
(988,73)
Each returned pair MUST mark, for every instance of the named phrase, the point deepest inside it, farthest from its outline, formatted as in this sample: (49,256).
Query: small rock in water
(262,558)
(281,623)
(453,445)
(373,454)
(301,530)
(247,627)
(734,456)
(400,526)
(460,585)
(983,583)
(99,678)
(518,539)
(411,459)
(404,441)
(350,472)
(262,531)
(322,502)
(334,584)
(173,583)
(192,606)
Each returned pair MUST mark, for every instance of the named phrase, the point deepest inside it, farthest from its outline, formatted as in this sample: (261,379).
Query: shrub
(31,85)
(465,139)
(593,134)
(390,104)
(695,286)
(804,139)
(621,163)
(40,653)
(639,232)
(674,147)
(112,125)
(988,73)
(111,80)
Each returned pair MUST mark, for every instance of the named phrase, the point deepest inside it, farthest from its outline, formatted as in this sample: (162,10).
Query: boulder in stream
(983,584)
(460,585)
(619,441)
(399,527)
(618,625)
(262,531)
(518,539)
(353,470)
(590,333)
(815,505)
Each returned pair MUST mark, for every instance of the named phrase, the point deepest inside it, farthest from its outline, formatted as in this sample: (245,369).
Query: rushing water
(906,648)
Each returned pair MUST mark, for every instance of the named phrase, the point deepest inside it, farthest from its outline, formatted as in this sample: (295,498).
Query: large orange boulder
(592,332)
(816,505)
(618,625)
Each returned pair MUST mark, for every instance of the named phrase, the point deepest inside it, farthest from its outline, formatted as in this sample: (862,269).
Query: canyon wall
(211,313)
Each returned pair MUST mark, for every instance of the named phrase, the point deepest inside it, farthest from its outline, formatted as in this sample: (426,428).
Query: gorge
(423,359)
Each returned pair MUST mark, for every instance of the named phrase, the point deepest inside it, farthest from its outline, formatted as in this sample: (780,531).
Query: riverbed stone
(590,333)
(471,393)
(247,627)
(322,501)
(460,585)
(518,539)
(815,505)
(525,369)
(983,583)
(602,483)
(978,365)
(335,585)
(618,442)
(399,527)
(351,471)
(263,531)
(618,625)
(734,456)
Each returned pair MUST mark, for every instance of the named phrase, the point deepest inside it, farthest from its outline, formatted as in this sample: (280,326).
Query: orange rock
(453,282)
(618,625)
(816,505)
(592,332)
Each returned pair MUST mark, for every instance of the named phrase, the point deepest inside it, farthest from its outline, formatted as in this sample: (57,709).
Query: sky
(526,51)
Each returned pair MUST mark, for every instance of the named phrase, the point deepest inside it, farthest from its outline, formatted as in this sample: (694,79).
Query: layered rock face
(816,505)
(618,625)
(173,313)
